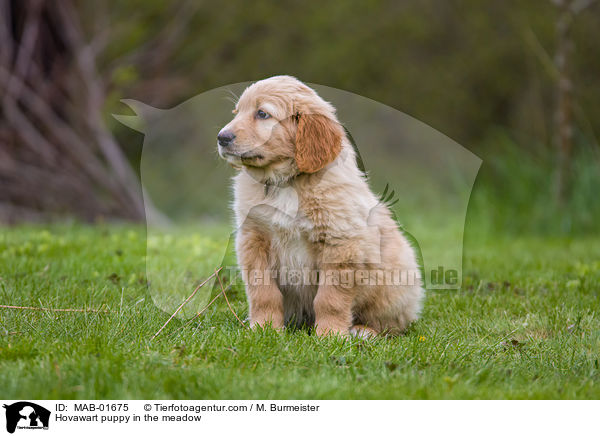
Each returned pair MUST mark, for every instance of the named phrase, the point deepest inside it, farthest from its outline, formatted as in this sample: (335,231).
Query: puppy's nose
(225,138)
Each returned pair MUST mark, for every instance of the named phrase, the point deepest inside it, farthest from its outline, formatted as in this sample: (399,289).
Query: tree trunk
(564,105)
(56,154)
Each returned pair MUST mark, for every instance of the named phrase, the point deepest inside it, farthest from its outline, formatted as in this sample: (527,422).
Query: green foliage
(524,326)
(476,71)
(515,190)
(461,67)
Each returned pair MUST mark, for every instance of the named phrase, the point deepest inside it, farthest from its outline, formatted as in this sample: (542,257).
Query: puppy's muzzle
(225,138)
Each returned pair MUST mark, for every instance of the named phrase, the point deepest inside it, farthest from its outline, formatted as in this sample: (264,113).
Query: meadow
(524,325)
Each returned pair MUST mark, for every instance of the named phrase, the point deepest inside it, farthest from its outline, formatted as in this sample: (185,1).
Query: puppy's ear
(318,142)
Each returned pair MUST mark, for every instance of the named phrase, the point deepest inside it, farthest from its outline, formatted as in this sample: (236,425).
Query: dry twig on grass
(197,314)
(227,300)
(11,333)
(185,302)
(46,309)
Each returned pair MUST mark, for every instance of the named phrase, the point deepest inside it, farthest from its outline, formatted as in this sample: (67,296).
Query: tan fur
(318,142)
(302,204)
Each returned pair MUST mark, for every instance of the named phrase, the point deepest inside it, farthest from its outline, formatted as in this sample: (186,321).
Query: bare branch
(28,39)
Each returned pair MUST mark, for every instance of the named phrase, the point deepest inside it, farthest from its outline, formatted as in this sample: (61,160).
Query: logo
(26,415)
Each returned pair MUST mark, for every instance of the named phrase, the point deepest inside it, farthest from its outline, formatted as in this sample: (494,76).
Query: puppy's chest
(291,250)
(289,229)
(280,212)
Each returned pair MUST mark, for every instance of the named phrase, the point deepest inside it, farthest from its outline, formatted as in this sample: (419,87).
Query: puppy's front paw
(260,322)
(363,332)
(326,330)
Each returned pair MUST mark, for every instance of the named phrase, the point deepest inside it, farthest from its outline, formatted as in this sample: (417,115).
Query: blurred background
(516,83)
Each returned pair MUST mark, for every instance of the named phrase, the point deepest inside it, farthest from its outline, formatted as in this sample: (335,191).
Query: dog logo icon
(26,415)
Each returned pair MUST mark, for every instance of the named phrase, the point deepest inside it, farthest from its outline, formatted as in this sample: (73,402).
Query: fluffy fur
(302,206)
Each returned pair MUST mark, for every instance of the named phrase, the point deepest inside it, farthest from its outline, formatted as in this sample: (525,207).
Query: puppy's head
(281,128)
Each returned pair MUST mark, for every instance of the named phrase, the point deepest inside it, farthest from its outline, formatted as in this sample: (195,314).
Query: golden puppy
(315,245)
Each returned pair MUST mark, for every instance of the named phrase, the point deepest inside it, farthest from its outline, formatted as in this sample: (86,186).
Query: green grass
(525,325)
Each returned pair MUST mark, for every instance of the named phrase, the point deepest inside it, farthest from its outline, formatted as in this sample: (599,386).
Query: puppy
(315,245)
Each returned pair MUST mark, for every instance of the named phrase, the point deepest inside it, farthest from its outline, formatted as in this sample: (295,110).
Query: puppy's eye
(262,115)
